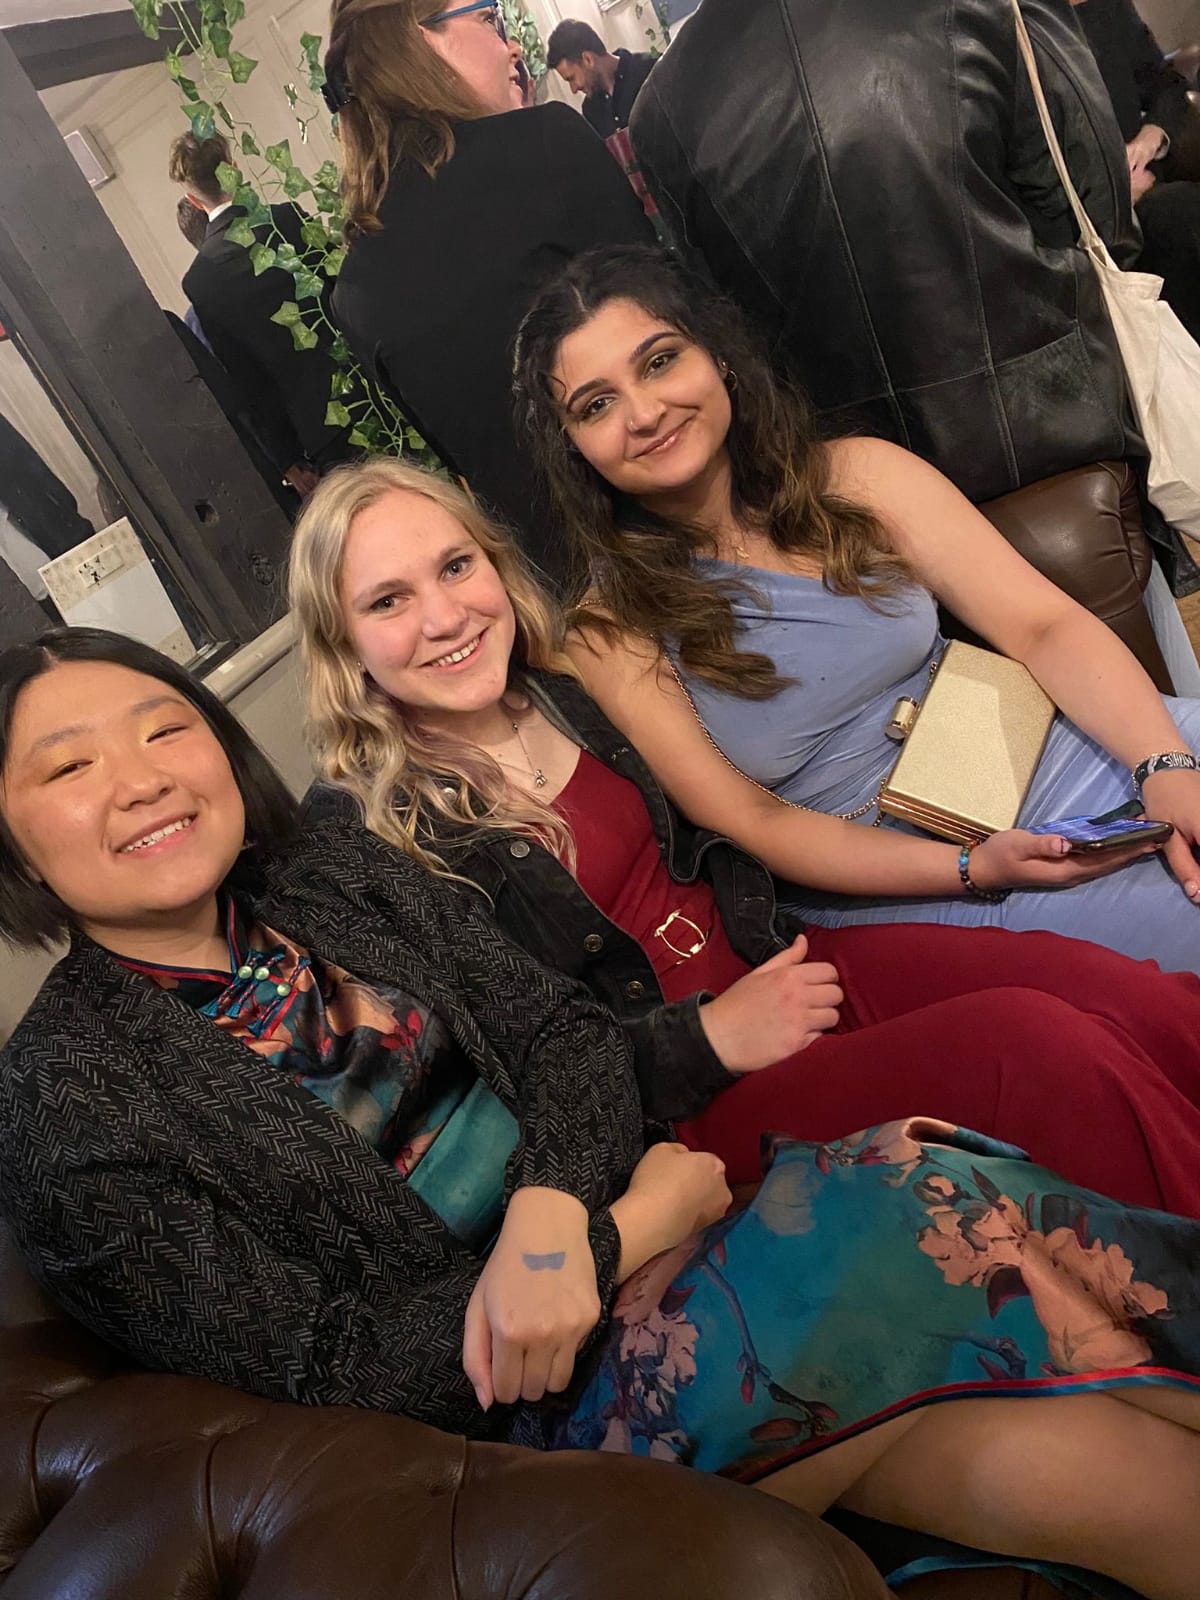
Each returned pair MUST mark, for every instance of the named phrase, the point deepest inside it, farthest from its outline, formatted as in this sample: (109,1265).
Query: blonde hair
(410,781)
(402,99)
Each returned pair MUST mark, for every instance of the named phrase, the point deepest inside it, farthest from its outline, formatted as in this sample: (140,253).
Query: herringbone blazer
(192,1205)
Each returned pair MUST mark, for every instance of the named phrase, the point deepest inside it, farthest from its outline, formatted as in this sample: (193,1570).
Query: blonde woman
(443,712)
(458,205)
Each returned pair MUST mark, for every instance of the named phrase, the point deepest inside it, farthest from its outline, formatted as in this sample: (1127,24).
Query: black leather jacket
(870,181)
(541,907)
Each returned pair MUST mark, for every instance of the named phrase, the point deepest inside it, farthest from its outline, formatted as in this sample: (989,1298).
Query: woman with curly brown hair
(788,588)
(459,206)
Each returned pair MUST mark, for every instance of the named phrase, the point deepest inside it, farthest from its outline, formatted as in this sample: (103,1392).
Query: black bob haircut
(30,913)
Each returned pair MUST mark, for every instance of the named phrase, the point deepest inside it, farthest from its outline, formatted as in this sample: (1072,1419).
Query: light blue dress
(821,742)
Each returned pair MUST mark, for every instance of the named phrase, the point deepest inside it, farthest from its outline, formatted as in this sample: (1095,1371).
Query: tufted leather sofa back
(117,1484)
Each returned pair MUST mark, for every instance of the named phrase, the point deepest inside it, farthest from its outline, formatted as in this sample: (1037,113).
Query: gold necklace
(536,773)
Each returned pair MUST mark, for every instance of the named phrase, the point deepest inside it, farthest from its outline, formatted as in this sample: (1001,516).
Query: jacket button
(635,989)
(519,848)
(592,943)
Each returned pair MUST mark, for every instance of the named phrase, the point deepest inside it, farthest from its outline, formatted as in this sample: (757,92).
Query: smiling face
(472,46)
(425,609)
(643,404)
(120,799)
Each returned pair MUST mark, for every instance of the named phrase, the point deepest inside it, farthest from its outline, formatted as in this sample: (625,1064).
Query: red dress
(1087,1060)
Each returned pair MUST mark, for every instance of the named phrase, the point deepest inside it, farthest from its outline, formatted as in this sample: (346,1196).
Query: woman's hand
(535,1303)
(772,1012)
(1016,859)
(674,1192)
(1173,796)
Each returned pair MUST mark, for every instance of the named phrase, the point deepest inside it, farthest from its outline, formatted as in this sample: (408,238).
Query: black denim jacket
(540,906)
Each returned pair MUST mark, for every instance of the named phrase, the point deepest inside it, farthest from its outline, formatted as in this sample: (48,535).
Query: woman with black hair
(233,1157)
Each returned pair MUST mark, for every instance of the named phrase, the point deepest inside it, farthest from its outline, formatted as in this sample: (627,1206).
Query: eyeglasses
(496,20)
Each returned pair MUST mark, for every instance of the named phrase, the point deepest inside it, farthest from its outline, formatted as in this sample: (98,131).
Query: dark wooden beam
(69,48)
(80,309)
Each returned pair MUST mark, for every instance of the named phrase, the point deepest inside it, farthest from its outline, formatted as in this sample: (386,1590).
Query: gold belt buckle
(698,943)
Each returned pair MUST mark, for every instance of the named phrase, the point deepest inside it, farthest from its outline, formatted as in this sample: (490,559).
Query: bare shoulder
(595,642)
(866,470)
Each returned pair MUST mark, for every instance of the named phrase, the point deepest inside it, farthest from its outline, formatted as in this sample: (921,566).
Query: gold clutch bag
(971,747)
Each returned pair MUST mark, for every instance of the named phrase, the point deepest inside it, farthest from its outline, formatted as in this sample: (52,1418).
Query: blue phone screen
(1092,830)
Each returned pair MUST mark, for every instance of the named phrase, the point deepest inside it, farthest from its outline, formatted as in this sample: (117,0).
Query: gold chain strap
(841,816)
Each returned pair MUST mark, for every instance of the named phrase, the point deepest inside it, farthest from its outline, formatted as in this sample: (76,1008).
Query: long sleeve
(166,1261)
(563,1056)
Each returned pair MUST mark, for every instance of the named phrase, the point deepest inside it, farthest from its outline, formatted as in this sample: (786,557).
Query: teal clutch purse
(461,1176)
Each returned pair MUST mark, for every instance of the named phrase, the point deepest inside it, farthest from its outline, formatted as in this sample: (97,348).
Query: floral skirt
(909,1264)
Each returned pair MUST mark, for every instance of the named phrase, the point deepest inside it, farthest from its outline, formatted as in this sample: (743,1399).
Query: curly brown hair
(638,566)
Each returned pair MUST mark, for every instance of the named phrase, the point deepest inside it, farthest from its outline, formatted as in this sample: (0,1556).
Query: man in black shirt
(609,82)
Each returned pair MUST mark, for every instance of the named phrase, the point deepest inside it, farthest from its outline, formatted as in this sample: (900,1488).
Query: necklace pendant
(539,778)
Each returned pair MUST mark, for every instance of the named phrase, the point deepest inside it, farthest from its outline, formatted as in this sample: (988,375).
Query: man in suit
(286,389)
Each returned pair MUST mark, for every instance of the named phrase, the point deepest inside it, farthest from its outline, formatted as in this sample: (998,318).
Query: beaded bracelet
(992,896)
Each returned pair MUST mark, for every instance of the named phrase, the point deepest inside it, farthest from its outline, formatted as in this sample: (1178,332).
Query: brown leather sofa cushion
(1083,530)
(124,1485)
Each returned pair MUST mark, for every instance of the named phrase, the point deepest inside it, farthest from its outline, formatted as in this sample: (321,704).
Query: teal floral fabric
(909,1264)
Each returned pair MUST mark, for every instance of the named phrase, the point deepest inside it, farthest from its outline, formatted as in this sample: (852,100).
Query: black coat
(870,181)
(192,1205)
(541,907)
(38,501)
(431,303)
(286,390)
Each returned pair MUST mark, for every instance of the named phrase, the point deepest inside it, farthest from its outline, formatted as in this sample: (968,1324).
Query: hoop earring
(731,380)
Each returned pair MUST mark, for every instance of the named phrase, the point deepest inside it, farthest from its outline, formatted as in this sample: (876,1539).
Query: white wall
(1173,22)
(270,709)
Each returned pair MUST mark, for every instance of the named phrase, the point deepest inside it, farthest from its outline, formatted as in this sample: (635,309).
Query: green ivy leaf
(327,176)
(414,440)
(310,43)
(200,116)
(249,148)
(261,258)
(219,108)
(240,66)
(240,232)
(332,263)
(258,216)
(279,155)
(341,383)
(230,179)
(303,338)
(288,256)
(235,10)
(295,183)
(218,39)
(359,438)
(336,415)
(339,349)
(288,314)
(309,284)
(174,65)
(289,90)
(146,14)
(314,234)
(189,89)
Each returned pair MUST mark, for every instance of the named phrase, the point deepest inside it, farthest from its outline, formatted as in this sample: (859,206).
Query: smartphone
(1115,830)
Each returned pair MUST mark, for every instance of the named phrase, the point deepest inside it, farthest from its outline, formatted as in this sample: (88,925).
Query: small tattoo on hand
(550,1263)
